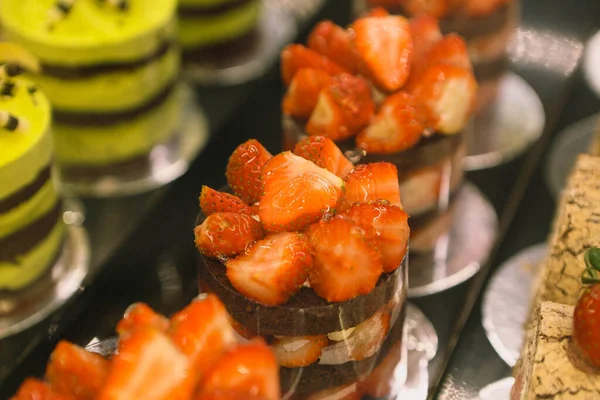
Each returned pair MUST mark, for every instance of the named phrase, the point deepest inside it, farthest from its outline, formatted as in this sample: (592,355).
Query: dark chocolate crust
(22,241)
(26,192)
(490,70)
(305,313)
(191,11)
(223,54)
(108,118)
(88,71)
(472,27)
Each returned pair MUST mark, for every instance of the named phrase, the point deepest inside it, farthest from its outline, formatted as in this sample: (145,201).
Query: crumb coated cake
(387,89)
(212,31)
(109,69)
(309,252)
(31,228)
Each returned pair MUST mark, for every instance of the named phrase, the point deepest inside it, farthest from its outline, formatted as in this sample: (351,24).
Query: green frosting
(90,32)
(209,30)
(204,3)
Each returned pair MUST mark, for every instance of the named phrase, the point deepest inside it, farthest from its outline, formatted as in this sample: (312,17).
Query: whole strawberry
(586,319)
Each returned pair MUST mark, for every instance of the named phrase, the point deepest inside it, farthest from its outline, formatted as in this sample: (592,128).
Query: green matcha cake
(109,68)
(216,31)
(31,227)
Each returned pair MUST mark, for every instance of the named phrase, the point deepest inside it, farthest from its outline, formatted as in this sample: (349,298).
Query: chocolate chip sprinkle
(12,123)
(12,70)
(7,89)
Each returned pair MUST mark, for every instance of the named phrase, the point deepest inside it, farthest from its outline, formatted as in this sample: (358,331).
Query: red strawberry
(299,351)
(244,169)
(448,94)
(480,8)
(398,126)
(435,8)
(303,93)
(452,50)
(372,182)
(346,392)
(369,335)
(387,226)
(385,48)
(148,366)
(377,11)
(380,382)
(227,395)
(295,57)
(138,316)
(425,32)
(297,193)
(586,319)
(34,389)
(343,108)
(227,234)
(325,154)
(273,270)
(345,263)
(212,201)
(75,372)
(203,332)
(246,368)
(334,42)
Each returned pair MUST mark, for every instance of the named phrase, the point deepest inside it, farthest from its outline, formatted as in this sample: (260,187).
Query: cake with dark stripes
(108,68)
(31,228)
(217,32)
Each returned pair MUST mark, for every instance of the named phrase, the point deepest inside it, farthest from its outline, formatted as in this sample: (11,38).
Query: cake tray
(460,253)
(277,27)
(165,162)
(591,63)
(499,390)
(25,308)
(571,142)
(422,345)
(508,127)
(507,302)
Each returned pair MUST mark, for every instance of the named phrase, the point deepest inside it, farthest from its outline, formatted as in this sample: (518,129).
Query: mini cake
(595,145)
(109,68)
(311,262)
(217,32)
(387,90)
(31,227)
(192,356)
(576,228)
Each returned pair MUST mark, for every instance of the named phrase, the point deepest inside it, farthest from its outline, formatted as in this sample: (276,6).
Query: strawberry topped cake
(386,89)
(309,252)
(192,356)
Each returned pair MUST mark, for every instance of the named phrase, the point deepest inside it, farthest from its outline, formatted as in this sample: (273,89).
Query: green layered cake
(109,69)
(31,227)
(216,31)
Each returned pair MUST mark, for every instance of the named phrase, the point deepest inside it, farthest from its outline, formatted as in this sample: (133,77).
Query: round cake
(217,32)
(31,227)
(387,89)
(109,69)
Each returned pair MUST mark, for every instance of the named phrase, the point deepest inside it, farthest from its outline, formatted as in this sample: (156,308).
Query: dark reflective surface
(145,249)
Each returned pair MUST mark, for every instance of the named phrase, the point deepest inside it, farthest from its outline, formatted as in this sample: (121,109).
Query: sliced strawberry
(451,50)
(425,32)
(385,48)
(212,201)
(435,8)
(246,368)
(242,330)
(227,395)
(297,193)
(324,153)
(303,93)
(480,8)
(227,234)
(381,382)
(370,335)
(334,42)
(140,315)
(34,389)
(273,270)
(244,169)
(299,351)
(295,57)
(345,264)
(377,11)
(148,366)
(346,392)
(448,93)
(398,126)
(75,372)
(372,182)
(387,226)
(203,332)
(343,108)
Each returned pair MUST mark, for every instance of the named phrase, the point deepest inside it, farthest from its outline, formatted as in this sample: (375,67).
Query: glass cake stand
(165,162)
(460,253)
(507,301)
(591,63)
(24,308)
(277,26)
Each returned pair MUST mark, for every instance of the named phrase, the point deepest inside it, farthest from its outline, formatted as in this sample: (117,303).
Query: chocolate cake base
(225,54)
